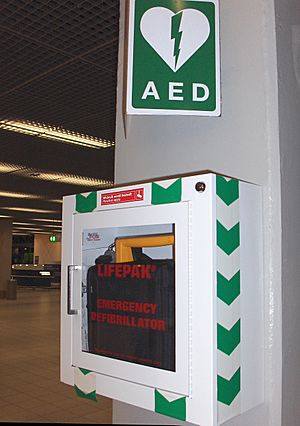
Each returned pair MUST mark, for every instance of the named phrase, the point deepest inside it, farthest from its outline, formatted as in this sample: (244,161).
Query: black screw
(200,186)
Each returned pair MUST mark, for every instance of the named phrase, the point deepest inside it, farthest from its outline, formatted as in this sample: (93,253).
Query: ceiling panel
(58,66)
(41,154)
(77,25)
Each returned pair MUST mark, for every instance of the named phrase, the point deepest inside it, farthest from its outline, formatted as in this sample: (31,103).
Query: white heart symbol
(192,32)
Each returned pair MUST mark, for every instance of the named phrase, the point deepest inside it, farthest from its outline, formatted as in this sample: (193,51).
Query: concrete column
(242,143)
(288,58)
(5,254)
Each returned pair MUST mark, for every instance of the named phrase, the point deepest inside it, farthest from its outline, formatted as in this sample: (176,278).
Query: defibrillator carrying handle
(125,245)
(70,310)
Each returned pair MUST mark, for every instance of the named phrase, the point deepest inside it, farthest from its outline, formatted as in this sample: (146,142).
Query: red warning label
(128,196)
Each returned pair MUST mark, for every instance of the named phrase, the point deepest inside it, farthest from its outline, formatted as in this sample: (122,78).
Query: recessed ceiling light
(73,180)
(11,194)
(51,176)
(33,227)
(22,228)
(23,223)
(25,209)
(56,226)
(54,201)
(8,168)
(41,232)
(52,226)
(15,195)
(59,134)
(47,220)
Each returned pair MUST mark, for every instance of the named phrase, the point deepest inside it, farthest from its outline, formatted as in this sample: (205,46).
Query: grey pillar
(5,254)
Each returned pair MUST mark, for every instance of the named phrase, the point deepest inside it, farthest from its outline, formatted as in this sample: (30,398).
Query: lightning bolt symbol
(176,34)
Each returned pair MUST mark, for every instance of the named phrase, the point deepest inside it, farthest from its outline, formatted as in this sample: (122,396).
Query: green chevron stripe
(228,389)
(176,409)
(172,194)
(228,340)
(86,204)
(84,371)
(228,191)
(91,395)
(228,240)
(228,290)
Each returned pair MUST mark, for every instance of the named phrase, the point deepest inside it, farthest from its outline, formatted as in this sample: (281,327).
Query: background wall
(47,252)
(243,143)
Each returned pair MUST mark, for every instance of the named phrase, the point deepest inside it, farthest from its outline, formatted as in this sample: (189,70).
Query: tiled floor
(30,390)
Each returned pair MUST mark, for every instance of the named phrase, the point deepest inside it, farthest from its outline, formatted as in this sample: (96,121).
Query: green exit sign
(53,238)
(173,57)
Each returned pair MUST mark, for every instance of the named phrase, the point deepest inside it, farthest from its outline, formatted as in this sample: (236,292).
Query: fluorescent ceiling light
(52,176)
(16,195)
(72,180)
(54,201)
(52,226)
(11,194)
(24,223)
(33,230)
(34,224)
(56,133)
(25,209)
(21,228)
(47,220)
(36,230)
(3,215)
(41,232)
(8,168)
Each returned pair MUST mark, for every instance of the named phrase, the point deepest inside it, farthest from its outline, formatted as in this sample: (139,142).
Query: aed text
(176,92)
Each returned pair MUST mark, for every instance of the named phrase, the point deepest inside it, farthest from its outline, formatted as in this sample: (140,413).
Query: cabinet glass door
(129,288)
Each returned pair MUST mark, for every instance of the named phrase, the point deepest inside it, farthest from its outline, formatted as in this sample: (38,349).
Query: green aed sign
(173,57)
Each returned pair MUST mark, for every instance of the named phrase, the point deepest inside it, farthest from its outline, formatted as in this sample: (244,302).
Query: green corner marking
(91,395)
(228,191)
(228,290)
(84,371)
(228,239)
(172,194)
(86,204)
(228,340)
(228,389)
(176,409)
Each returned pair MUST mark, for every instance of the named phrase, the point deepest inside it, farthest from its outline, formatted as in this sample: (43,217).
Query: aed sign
(173,57)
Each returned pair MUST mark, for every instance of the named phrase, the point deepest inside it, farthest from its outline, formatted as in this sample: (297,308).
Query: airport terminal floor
(30,388)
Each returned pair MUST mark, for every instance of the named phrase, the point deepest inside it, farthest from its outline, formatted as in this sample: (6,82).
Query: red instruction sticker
(128,196)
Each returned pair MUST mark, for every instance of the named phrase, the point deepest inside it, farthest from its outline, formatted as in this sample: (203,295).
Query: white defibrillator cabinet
(162,296)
